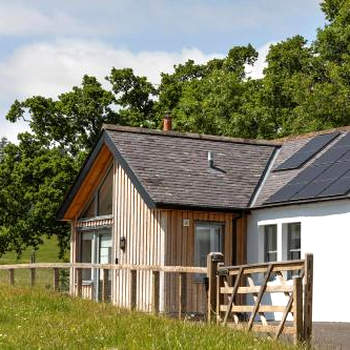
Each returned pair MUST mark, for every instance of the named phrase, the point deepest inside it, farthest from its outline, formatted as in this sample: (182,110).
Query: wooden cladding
(180,250)
(143,231)
(154,237)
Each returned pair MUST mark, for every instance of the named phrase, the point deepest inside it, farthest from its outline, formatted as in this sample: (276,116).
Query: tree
(32,184)
(36,173)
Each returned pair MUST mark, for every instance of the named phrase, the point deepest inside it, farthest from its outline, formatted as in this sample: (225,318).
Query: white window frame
(282,238)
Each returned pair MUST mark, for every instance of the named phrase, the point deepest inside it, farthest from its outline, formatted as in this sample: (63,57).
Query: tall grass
(40,319)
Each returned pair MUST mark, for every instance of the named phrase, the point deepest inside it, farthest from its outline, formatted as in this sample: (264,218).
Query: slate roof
(173,168)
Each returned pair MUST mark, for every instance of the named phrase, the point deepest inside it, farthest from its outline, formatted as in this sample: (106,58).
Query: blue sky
(46,46)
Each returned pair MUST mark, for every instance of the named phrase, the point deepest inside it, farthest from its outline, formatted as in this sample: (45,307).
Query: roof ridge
(311,134)
(137,130)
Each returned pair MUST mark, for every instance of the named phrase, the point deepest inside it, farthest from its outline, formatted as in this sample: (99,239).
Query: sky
(47,46)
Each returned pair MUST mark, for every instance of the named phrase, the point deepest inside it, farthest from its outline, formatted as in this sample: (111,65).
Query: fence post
(11,277)
(132,289)
(56,280)
(79,282)
(219,297)
(105,285)
(32,277)
(212,265)
(308,286)
(155,292)
(182,293)
(298,308)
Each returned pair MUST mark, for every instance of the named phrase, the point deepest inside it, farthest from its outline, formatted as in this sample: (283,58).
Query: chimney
(210,159)
(167,123)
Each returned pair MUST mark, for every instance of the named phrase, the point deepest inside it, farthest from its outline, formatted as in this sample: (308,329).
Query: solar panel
(314,146)
(323,181)
(339,187)
(329,175)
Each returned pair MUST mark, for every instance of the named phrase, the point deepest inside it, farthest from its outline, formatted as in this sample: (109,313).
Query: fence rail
(228,288)
(235,283)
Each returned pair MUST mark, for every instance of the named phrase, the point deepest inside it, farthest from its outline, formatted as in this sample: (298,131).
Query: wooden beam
(298,309)
(308,290)
(259,298)
(182,294)
(32,277)
(56,279)
(250,308)
(233,295)
(287,310)
(132,289)
(105,285)
(255,289)
(219,296)
(212,264)
(79,282)
(261,328)
(155,292)
(11,277)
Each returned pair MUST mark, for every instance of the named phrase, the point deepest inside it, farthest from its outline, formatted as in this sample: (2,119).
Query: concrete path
(331,336)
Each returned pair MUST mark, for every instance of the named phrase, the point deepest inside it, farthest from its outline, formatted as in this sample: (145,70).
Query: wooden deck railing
(228,287)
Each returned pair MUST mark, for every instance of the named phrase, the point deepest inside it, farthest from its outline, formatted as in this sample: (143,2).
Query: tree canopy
(305,87)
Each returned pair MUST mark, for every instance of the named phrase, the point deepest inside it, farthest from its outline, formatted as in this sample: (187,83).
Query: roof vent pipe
(167,123)
(211,159)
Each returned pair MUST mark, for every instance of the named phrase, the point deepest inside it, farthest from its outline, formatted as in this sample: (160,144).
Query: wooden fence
(228,288)
(230,304)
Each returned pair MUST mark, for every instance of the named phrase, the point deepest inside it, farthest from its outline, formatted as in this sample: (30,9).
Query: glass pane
(86,257)
(270,242)
(89,211)
(294,241)
(208,237)
(105,195)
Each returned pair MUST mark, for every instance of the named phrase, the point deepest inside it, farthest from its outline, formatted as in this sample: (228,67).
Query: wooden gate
(244,297)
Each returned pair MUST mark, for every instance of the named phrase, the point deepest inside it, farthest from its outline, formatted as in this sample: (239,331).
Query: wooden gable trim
(87,179)
(87,184)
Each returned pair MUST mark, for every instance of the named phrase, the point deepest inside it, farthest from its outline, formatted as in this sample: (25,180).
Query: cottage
(163,198)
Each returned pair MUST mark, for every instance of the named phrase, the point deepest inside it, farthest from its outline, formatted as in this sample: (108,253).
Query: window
(101,203)
(208,238)
(270,243)
(86,253)
(293,241)
(105,195)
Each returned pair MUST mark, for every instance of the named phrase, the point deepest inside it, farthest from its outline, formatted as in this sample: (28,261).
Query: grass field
(48,252)
(40,319)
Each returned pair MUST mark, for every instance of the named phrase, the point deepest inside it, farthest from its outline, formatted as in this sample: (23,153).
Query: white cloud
(51,68)
(18,19)
(256,71)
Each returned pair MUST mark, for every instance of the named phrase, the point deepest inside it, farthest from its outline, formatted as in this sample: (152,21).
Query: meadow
(41,319)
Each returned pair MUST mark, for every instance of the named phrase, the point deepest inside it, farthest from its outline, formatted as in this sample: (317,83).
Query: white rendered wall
(325,232)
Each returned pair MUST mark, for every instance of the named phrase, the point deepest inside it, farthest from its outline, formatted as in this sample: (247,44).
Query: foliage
(306,87)
(44,320)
